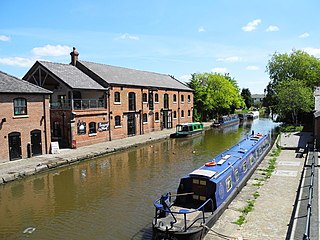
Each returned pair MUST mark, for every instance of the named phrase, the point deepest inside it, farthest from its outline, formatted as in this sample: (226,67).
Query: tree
(246,95)
(297,66)
(293,97)
(214,95)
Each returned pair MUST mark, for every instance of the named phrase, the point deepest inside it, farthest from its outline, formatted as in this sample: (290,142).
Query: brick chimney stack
(74,56)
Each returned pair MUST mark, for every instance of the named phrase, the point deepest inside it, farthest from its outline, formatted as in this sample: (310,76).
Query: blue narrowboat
(227,120)
(204,193)
(187,130)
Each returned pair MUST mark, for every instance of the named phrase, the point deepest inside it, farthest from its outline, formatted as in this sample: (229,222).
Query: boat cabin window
(251,159)
(236,174)
(228,183)
(244,166)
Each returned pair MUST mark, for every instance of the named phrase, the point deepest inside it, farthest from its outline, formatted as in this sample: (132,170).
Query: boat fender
(210,164)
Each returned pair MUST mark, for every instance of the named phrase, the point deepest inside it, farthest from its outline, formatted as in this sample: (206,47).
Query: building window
(117,97)
(145,118)
(132,101)
(56,129)
(189,113)
(189,98)
(150,100)
(156,116)
(117,121)
(182,114)
(20,106)
(174,114)
(92,127)
(182,98)
(174,98)
(156,98)
(166,101)
(144,98)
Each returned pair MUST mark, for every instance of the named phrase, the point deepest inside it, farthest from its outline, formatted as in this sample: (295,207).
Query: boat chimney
(74,56)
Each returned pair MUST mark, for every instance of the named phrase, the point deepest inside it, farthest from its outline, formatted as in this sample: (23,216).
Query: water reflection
(110,197)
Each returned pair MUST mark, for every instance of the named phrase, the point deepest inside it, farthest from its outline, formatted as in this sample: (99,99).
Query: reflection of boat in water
(226,121)
(187,130)
(253,115)
(205,193)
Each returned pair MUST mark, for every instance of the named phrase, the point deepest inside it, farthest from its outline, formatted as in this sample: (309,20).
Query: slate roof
(72,76)
(131,77)
(11,84)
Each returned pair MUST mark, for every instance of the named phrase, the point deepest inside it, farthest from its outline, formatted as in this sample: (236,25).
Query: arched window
(174,114)
(144,98)
(117,97)
(92,127)
(117,121)
(182,113)
(132,101)
(174,98)
(156,116)
(182,98)
(145,118)
(189,98)
(189,113)
(166,101)
(20,106)
(156,98)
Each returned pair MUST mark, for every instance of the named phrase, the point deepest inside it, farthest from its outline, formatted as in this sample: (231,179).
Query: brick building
(24,119)
(94,102)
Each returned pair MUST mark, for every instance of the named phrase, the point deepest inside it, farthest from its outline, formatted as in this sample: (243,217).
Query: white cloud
(17,61)
(251,25)
(229,59)
(252,68)
(4,38)
(50,50)
(304,35)
(185,78)
(201,29)
(312,51)
(129,37)
(272,28)
(219,70)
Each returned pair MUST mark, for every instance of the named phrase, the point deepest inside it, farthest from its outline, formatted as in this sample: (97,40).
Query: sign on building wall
(103,126)
(81,127)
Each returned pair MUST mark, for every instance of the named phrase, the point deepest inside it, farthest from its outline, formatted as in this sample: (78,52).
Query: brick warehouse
(24,119)
(93,102)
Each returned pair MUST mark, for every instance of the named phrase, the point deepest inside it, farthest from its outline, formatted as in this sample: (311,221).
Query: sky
(175,37)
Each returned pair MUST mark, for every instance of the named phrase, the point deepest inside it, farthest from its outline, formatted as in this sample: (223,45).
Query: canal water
(109,197)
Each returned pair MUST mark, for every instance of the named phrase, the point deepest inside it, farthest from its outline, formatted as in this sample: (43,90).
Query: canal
(109,197)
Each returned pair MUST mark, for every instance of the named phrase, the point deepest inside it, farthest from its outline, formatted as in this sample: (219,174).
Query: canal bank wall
(265,206)
(13,170)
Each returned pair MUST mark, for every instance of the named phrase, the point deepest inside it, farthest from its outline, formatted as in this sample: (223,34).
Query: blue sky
(176,37)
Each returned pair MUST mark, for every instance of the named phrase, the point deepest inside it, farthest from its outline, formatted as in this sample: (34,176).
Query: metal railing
(159,205)
(306,235)
(79,104)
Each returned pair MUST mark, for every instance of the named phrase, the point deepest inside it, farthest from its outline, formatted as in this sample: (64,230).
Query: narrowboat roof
(189,124)
(226,159)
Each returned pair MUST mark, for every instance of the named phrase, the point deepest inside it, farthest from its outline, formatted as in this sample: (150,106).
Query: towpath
(275,199)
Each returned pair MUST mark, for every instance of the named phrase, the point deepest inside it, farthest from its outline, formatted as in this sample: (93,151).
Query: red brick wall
(37,118)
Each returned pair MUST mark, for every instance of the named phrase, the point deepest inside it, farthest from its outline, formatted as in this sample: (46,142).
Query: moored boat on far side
(226,120)
(187,130)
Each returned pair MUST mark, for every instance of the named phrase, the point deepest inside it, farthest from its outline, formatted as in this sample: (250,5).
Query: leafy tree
(297,66)
(293,97)
(214,95)
(246,95)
